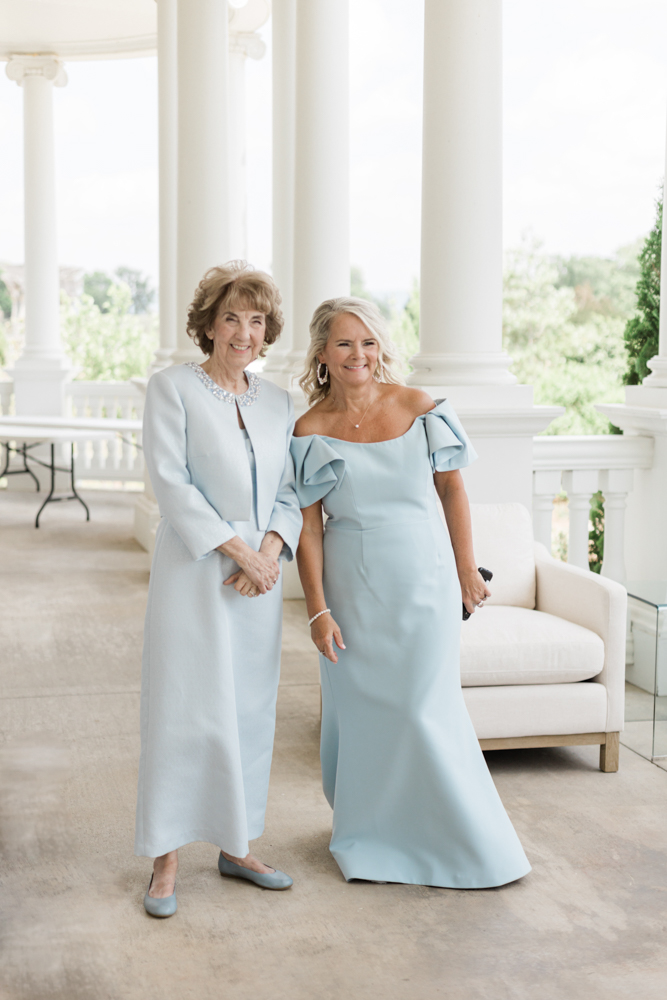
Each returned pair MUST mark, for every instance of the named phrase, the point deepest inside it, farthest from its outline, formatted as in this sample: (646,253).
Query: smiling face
(237,335)
(352,352)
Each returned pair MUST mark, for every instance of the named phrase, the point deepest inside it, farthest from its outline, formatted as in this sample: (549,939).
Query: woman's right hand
(324,632)
(261,569)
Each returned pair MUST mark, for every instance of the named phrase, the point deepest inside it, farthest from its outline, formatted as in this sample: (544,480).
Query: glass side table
(646,678)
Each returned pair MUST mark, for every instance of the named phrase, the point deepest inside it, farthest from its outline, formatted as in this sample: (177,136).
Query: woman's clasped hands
(259,571)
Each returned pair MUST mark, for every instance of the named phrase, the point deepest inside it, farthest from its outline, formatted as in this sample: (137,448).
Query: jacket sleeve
(164,442)
(286,518)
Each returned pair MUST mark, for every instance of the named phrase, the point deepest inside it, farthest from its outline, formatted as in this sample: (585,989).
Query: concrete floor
(588,922)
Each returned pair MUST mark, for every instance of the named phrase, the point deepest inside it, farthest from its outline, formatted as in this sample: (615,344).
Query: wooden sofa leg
(609,753)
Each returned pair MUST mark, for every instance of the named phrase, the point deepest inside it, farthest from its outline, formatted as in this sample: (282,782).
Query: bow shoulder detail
(319,468)
(448,444)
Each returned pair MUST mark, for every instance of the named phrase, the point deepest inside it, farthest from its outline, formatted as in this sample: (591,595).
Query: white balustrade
(119,458)
(580,466)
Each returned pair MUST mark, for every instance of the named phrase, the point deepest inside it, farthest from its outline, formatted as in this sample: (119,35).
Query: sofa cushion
(507,645)
(503,542)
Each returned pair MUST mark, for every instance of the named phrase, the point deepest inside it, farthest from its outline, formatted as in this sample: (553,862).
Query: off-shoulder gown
(412,797)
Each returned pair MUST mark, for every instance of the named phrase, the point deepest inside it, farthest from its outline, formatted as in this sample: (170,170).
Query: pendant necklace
(363,416)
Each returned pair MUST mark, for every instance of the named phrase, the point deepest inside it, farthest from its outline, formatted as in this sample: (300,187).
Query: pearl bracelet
(326,610)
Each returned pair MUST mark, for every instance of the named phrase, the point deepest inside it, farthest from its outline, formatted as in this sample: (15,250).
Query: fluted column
(203,237)
(42,369)
(321,214)
(461,250)
(284,87)
(168,151)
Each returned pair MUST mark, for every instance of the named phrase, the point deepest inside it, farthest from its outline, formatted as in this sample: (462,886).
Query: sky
(585,107)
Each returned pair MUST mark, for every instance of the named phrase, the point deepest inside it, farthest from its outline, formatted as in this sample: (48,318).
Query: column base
(462,369)
(658,376)
(39,386)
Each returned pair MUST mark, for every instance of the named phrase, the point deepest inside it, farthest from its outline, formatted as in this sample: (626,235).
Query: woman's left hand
(242,583)
(474,590)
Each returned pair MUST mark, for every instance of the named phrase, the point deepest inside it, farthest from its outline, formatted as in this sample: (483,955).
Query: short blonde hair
(232,286)
(389,361)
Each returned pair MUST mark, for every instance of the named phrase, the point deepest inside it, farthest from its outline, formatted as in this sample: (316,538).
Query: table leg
(75,494)
(23,451)
(53,485)
(53,499)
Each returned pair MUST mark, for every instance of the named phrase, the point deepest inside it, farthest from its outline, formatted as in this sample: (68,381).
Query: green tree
(5,300)
(404,325)
(641,332)
(109,346)
(96,284)
(143,294)
(565,341)
(359,291)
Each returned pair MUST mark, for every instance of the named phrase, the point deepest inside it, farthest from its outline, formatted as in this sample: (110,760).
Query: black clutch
(487,576)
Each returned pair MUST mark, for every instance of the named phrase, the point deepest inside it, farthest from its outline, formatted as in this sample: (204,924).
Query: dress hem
(439,885)
(195,837)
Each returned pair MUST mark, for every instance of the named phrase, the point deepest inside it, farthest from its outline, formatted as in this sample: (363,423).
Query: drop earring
(322,378)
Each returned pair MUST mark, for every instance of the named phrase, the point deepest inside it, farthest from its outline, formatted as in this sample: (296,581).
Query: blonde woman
(216,441)
(412,798)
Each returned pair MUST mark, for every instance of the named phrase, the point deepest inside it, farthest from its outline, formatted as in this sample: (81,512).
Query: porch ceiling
(97,29)
(78,29)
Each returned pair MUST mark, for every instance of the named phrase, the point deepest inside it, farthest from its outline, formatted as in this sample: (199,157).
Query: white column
(461,251)
(168,151)
(41,371)
(580,485)
(242,44)
(321,214)
(284,86)
(658,363)
(203,171)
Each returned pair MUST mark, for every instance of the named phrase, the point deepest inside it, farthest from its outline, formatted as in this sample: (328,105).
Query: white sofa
(543,663)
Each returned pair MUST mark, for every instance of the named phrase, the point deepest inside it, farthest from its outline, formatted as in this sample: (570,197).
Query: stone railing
(580,466)
(117,459)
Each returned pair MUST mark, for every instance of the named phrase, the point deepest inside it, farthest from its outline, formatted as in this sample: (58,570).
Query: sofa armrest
(597,604)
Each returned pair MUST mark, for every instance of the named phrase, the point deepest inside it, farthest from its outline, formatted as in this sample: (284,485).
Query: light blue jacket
(198,464)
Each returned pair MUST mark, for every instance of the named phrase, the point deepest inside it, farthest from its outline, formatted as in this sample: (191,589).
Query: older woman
(216,441)
(412,798)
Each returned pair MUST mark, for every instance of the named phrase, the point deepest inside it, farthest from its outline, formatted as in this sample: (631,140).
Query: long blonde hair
(389,361)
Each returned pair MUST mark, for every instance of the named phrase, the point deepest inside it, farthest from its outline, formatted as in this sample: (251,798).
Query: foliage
(98,284)
(143,295)
(596,534)
(641,332)
(359,291)
(563,325)
(404,325)
(111,345)
(5,300)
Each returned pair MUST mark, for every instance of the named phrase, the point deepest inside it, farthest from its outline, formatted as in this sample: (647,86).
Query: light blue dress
(412,797)
(211,657)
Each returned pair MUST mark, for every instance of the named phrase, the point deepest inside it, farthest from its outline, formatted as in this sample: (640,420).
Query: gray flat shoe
(165,907)
(270,880)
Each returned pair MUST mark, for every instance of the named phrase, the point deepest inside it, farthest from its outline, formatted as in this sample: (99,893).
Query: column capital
(247,43)
(48,66)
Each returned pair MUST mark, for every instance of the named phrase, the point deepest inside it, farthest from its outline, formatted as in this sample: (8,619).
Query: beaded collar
(246,399)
